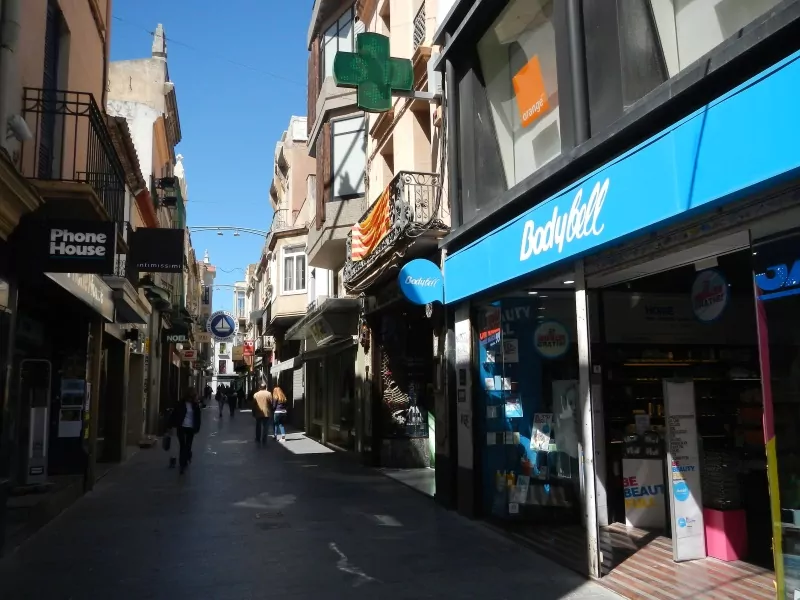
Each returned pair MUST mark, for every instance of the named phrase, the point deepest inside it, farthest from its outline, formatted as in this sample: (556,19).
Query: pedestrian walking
(279,410)
(186,419)
(220,399)
(231,393)
(240,396)
(207,393)
(262,401)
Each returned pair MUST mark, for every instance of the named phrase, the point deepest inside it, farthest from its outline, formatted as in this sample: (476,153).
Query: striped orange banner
(368,233)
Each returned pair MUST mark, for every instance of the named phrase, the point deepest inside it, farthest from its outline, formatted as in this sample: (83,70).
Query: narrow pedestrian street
(291,520)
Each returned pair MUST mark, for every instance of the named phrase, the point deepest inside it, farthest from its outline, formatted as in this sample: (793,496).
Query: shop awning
(328,349)
(89,289)
(286,365)
(131,308)
(329,318)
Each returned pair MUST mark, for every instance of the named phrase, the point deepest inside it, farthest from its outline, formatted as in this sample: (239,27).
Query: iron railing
(71,142)
(121,261)
(419,27)
(415,206)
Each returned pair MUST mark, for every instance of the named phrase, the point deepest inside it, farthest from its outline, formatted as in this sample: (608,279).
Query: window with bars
(294,270)
(419,27)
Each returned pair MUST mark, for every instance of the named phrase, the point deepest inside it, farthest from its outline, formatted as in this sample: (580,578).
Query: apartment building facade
(140,92)
(378,180)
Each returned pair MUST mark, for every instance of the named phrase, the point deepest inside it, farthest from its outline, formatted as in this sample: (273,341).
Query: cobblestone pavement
(291,520)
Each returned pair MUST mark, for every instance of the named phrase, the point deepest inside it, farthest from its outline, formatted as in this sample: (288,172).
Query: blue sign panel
(222,325)
(734,145)
(421,282)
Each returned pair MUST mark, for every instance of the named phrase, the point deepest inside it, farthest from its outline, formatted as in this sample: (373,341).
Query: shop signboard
(249,348)
(643,483)
(667,176)
(683,462)
(237,353)
(156,250)
(68,246)
(202,337)
(421,282)
(710,295)
(222,325)
(189,355)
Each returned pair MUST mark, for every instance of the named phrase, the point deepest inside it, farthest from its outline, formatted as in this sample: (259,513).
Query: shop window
(518,62)
(688,29)
(633,46)
(294,270)
(337,38)
(528,407)
(349,157)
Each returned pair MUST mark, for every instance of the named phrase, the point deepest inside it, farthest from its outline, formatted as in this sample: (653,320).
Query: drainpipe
(9,40)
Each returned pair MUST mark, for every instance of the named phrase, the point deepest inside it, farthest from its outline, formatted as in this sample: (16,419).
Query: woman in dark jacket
(186,419)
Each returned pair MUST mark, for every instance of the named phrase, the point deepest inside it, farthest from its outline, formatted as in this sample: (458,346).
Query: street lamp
(237,231)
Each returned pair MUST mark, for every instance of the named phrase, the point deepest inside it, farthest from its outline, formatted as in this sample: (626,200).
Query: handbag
(166,442)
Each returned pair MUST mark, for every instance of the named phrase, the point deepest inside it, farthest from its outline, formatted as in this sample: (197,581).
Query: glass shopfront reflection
(527,404)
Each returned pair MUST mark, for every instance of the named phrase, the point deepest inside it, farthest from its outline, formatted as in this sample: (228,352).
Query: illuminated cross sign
(373,72)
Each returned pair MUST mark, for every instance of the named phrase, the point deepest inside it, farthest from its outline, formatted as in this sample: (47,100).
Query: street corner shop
(645,316)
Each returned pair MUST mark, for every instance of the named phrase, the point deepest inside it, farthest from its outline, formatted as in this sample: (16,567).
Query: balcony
(416,219)
(72,155)
(287,223)
(265,343)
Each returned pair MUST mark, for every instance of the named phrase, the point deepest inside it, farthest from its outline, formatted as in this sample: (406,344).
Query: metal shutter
(298,383)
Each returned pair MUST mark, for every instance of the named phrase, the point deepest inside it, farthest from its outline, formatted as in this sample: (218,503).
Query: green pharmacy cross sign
(373,72)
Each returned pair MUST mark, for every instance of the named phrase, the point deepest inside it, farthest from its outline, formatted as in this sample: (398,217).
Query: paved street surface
(290,521)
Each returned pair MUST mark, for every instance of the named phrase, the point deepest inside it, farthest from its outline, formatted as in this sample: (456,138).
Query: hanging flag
(368,233)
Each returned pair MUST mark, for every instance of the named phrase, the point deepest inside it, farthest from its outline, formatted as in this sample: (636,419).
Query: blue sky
(239,74)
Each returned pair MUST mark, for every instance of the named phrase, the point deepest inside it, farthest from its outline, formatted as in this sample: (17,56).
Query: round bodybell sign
(222,325)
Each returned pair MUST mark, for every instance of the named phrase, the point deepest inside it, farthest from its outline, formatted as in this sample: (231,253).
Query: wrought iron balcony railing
(265,342)
(71,142)
(415,206)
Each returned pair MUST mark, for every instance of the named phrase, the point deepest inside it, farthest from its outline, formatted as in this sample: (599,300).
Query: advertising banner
(643,482)
(156,250)
(69,246)
(683,460)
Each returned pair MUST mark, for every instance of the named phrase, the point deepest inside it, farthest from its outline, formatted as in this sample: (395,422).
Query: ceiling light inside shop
(569,282)
(532,293)
(541,308)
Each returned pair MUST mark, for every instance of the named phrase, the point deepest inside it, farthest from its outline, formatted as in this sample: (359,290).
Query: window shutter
(323,171)
(313,83)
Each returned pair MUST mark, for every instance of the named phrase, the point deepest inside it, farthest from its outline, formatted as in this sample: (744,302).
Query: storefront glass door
(777,286)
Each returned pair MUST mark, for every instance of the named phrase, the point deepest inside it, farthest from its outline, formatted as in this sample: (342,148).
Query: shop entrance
(695,324)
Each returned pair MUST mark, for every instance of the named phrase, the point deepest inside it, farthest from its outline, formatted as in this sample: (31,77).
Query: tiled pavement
(290,520)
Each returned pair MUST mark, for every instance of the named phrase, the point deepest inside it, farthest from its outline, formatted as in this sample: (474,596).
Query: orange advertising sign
(530,92)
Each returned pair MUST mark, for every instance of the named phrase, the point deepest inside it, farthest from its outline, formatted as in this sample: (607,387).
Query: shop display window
(518,62)
(528,407)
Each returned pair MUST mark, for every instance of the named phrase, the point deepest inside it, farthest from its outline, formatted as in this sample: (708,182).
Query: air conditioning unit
(435,83)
